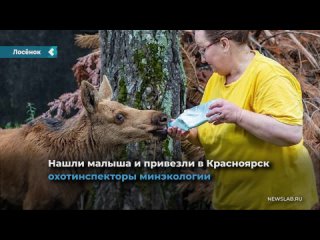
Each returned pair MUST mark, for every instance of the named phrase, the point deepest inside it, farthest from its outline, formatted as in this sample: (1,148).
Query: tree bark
(146,72)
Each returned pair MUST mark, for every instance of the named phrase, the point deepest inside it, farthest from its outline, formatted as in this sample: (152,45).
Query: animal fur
(87,41)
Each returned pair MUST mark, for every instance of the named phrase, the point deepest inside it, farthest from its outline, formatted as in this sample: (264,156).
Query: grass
(31,113)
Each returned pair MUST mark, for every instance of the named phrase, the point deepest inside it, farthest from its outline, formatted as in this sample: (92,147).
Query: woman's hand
(177,133)
(223,111)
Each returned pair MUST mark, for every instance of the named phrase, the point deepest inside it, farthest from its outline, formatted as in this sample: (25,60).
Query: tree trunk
(146,72)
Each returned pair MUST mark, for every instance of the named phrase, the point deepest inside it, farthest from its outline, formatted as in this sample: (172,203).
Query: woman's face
(212,53)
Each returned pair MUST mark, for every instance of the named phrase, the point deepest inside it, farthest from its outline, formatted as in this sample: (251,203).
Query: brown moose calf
(102,125)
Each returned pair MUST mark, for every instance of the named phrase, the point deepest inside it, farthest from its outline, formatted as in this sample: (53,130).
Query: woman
(260,117)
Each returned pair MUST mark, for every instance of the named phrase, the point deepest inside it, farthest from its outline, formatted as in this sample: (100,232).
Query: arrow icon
(51,52)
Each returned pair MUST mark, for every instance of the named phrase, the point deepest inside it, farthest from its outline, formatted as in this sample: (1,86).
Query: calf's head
(113,123)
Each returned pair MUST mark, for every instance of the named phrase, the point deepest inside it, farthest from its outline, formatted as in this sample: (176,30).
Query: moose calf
(102,125)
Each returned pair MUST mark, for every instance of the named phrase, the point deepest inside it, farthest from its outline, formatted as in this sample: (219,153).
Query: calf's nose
(159,119)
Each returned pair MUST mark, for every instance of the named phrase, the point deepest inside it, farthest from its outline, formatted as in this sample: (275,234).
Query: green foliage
(11,125)
(122,98)
(150,67)
(31,111)
(167,147)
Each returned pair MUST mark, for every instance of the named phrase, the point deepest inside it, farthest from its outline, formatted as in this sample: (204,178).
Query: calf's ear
(105,90)
(89,97)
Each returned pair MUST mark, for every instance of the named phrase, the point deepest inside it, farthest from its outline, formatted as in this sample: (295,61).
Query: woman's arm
(261,126)
(269,129)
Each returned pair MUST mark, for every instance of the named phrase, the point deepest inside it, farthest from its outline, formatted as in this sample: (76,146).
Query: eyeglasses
(202,51)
